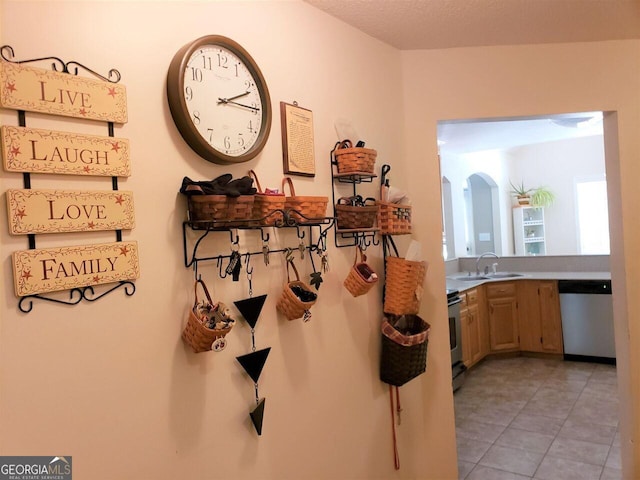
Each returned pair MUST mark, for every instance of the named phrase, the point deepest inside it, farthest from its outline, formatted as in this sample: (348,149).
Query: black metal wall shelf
(351,237)
(290,219)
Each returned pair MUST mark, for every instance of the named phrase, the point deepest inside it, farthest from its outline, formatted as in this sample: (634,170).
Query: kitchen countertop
(461,285)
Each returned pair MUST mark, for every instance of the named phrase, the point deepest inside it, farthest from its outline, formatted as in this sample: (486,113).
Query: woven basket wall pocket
(297,297)
(207,323)
(361,277)
(403,283)
(404,348)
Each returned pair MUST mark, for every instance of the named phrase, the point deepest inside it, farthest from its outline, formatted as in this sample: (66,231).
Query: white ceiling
(437,24)
(431,24)
(473,136)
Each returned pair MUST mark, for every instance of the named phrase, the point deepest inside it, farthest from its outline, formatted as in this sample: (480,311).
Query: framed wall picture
(297,140)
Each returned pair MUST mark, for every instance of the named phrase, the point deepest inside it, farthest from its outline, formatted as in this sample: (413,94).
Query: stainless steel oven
(455,339)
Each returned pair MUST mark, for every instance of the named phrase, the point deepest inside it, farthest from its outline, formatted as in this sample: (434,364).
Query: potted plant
(536,197)
(542,197)
(522,194)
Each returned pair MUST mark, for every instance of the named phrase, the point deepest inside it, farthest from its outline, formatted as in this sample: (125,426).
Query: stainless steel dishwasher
(587,320)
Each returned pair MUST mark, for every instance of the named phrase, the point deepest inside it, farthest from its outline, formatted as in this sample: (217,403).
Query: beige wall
(535,80)
(111,383)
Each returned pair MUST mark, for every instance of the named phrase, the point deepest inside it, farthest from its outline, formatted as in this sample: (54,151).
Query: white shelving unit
(528,231)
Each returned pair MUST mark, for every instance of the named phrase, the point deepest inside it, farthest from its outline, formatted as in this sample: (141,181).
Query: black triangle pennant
(253,362)
(250,308)
(257,416)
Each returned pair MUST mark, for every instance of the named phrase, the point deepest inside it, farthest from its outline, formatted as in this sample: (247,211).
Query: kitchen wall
(508,81)
(111,383)
(558,165)
(555,164)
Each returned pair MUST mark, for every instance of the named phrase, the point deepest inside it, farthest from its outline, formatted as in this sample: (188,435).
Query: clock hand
(238,96)
(225,100)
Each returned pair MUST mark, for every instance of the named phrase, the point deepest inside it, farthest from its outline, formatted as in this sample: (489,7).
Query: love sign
(56,211)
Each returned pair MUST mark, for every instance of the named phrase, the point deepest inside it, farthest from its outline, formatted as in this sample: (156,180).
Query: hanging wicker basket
(361,277)
(220,208)
(196,334)
(304,209)
(351,159)
(265,205)
(404,348)
(290,304)
(355,216)
(394,219)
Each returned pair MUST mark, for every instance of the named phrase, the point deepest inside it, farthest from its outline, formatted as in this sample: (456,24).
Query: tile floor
(522,418)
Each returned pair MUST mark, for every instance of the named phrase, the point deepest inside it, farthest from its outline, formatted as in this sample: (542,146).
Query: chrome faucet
(486,254)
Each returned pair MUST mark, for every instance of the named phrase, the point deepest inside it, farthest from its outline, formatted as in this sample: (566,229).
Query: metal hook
(376,240)
(247,259)
(220,270)
(234,242)
(298,232)
(362,242)
(288,254)
(262,233)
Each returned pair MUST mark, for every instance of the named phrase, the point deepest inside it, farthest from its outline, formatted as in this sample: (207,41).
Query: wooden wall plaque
(45,151)
(55,269)
(56,211)
(46,91)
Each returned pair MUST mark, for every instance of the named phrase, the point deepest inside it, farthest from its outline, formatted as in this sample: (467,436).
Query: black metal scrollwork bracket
(57,64)
(76,295)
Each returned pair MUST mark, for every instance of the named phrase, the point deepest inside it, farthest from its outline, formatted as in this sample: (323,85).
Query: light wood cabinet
(475,344)
(502,305)
(539,316)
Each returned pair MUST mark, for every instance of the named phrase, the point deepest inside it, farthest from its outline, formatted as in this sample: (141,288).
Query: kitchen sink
(503,275)
(471,278)
(488,276)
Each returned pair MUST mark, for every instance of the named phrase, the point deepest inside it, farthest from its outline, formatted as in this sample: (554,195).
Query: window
(593,217)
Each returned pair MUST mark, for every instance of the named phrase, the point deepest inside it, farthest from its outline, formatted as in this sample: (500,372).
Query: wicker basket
(394,219)
(350,216)
(404,348)
(220,208)
(361,277)
(289,304)
(403,285)
(198,336)
(354,159)
(265,205)
(306,209)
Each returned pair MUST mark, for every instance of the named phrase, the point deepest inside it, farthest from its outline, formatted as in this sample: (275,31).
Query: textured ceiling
(432,24)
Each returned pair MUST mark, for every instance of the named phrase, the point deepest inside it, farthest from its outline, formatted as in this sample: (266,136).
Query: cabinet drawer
(463,298)
(501,289)
(472,297)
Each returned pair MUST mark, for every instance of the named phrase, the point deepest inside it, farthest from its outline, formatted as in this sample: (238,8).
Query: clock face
(219,100)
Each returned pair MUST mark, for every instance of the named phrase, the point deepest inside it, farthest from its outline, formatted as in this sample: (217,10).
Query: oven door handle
(454,302)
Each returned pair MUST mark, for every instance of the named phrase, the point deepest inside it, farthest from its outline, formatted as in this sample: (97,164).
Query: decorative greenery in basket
(536,197)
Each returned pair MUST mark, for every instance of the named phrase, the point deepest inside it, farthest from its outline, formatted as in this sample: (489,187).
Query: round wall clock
(219,100)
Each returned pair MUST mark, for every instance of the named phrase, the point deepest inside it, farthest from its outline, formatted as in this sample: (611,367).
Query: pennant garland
(253,363)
